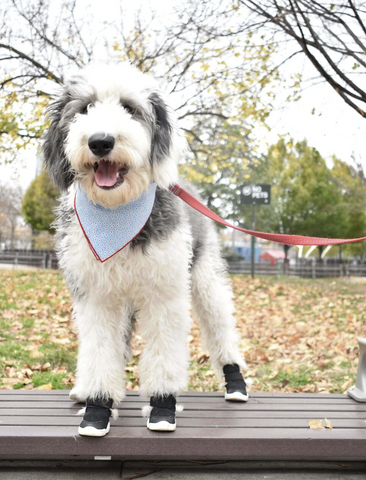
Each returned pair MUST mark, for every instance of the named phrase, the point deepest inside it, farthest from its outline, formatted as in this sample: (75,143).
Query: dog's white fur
(133,141)
(159,281)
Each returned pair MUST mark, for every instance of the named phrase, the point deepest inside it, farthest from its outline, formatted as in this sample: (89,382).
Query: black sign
(255,194)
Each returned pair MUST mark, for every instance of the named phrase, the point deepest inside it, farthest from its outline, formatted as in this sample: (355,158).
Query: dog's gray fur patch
(161,138)
(62,112)
(65,216)
(164,219)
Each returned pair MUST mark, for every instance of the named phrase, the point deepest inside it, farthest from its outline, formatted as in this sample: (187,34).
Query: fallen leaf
(8,363)
(346,385)
(28,372)
(10,372)
(203,358)
(328,423)
(36,354)
(47,386)
(60,341)
(9,381)
(315,424)
(28,386)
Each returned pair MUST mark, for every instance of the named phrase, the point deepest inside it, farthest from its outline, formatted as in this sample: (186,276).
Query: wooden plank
(184,422)
(46,393)
(134,443)
(189,400)
(203,407)
(204,432)
(52,412)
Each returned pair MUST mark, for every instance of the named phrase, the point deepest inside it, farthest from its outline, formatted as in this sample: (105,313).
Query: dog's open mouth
(109,175)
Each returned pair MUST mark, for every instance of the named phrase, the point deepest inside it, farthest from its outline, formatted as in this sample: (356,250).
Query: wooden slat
(206,407)
(184,422)
(189,400)
(66,412)
(136,395)
(136,413)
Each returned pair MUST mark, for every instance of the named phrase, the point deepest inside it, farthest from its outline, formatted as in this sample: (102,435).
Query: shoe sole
(162,426)
(236,397)
(94,432)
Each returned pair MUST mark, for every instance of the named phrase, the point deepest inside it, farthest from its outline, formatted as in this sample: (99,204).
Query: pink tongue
(106,175)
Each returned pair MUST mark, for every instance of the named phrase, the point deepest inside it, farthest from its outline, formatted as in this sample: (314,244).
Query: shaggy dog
(112,136)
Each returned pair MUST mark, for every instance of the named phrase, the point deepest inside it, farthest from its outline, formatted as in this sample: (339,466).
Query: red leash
(273,237)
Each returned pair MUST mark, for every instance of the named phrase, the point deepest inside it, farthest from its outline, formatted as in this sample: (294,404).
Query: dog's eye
(85,110)
(131,110)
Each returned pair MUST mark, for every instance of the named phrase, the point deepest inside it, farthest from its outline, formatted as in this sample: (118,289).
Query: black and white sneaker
(235,384)
(96,418)
(162,415)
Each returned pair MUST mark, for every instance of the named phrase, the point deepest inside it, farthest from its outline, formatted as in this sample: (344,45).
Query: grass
(296,334)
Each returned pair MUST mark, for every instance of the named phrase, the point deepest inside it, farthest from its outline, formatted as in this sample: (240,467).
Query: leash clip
(176,189)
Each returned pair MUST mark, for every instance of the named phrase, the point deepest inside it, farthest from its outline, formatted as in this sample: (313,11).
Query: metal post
(340,261)
(358,392)
(253,239)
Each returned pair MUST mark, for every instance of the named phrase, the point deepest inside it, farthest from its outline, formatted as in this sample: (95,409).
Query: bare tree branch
(323,27)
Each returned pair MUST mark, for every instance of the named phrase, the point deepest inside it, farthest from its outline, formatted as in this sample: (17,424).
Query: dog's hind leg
(213,308)
(128,328)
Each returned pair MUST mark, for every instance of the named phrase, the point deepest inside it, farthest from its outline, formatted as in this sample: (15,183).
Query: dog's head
(112,131)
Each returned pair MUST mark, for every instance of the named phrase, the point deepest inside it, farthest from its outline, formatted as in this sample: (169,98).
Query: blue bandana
(109,230)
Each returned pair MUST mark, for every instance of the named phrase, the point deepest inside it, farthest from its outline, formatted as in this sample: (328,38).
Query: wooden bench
(270,426)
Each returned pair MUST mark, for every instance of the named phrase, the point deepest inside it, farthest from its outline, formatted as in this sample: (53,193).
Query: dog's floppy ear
(168,145)
(54,144)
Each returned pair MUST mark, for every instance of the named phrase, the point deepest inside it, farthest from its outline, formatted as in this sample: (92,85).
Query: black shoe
(162,416)
(96,418)
(235,384)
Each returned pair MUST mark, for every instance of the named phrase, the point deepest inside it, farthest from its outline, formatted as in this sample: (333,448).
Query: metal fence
(312,270)
(48,259)
(33,258)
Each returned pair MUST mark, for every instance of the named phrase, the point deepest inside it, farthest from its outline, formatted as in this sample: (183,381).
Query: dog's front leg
(164,322)
(103,330)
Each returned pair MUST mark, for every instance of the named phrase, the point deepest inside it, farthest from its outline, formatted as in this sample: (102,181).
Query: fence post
(44,260)
(16,260)
(313,270)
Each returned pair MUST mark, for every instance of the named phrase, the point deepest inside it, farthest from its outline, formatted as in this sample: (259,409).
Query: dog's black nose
(101,144)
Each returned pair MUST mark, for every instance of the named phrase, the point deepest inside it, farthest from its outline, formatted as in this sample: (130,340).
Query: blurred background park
(266,92)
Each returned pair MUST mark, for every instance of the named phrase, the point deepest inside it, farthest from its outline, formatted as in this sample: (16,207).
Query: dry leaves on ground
(297,335)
